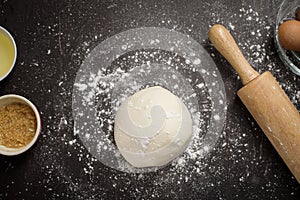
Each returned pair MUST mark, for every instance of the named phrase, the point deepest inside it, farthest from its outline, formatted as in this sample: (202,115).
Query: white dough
(152,127)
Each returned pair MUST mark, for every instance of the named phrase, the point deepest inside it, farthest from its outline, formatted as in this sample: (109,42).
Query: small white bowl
(12,98)
(6,33)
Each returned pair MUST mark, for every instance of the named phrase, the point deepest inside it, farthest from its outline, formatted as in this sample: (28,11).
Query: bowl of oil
(8,53)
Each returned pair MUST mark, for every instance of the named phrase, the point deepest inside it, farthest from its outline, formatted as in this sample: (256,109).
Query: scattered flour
(192,168)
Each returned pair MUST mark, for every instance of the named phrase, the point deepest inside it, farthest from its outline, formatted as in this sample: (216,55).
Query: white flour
(194,168)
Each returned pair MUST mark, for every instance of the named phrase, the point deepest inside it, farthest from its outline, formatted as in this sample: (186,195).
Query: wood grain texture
(276,116)
(226,45)
(265,100)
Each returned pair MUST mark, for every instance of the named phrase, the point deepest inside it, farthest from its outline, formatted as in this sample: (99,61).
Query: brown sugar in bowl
(20,124)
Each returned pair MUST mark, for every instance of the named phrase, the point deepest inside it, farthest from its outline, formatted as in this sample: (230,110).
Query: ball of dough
(152,127)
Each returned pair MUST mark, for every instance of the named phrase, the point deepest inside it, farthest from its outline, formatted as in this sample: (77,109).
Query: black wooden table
(55,37)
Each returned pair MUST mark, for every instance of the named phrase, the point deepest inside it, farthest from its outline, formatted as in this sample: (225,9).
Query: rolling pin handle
(226,45)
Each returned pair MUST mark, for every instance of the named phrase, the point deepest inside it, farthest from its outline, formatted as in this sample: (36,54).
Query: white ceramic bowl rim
(17,98)
(3,30)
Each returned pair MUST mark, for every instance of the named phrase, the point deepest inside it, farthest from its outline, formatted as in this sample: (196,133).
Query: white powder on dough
(255,44)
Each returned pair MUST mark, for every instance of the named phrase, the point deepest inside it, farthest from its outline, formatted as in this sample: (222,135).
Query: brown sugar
(17,125)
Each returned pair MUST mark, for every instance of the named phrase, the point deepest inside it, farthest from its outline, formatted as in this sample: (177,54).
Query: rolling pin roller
(265,100)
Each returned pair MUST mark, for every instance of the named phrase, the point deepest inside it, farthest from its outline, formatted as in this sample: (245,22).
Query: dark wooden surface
(54,37)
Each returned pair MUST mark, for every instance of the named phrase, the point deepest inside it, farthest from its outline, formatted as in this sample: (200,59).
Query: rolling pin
(266,101)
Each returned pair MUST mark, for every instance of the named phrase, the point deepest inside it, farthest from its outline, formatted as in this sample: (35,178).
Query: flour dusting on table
(199,170)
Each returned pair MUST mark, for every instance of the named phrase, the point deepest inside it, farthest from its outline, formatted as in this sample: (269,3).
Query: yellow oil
(7,54)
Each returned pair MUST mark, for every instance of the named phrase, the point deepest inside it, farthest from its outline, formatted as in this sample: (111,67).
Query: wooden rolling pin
(265,100)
